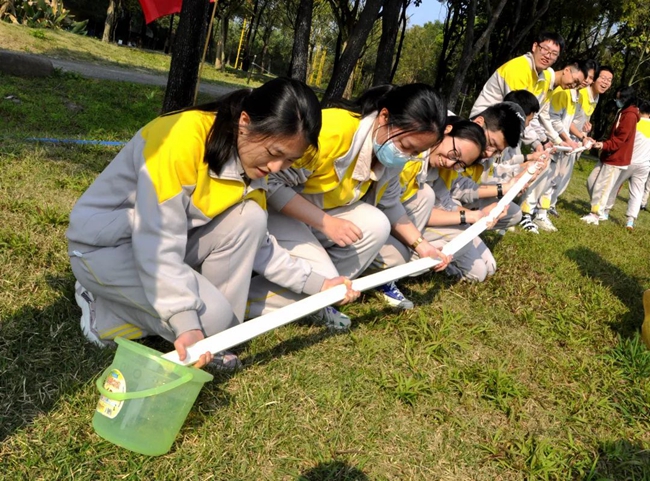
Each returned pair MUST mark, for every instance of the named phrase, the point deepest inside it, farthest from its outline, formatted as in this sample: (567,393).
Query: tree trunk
(451,20)
(300,51)
(224,32)
(247,43)
(109,24)
(385,51)
(186,55)
(470,49)
(398,54)
(350,55)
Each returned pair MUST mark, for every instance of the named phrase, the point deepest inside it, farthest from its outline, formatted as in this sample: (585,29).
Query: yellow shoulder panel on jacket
(585,102)
(644,127)
(174,149)
(518,74)
(560,99)
(408,179)
(335,137)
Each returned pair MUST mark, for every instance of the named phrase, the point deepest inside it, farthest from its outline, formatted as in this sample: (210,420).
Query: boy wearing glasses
(557,117)
(529,72)
(580,127)
(476,186)
(538,195)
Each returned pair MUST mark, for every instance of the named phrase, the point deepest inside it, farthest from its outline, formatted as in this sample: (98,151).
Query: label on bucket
(114,383)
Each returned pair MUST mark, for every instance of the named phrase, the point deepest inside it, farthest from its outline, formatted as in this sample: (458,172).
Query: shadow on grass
(626,288)
(333,471)
(621,459)
(43,358)
(577,206)
(300,342)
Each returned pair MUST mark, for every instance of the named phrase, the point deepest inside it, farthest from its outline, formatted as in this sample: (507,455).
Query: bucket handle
(123,396)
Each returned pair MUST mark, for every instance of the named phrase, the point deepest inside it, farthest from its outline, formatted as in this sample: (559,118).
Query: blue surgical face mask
(619,103)
(388,153)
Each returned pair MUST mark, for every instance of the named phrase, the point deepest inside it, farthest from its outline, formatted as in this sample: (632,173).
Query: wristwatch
(499,191)
(417,242)
(463,218)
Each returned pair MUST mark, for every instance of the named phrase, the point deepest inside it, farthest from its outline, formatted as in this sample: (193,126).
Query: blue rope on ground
(109,143)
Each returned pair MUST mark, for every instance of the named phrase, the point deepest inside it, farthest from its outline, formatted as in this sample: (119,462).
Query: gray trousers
(393,252)
(221,253)
(637,174)
(538,194)
(323,254)
(563,173)
(646,193)
(600,184)
(474,262)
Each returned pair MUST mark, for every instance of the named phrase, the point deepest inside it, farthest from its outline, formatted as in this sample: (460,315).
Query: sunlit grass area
(537,373)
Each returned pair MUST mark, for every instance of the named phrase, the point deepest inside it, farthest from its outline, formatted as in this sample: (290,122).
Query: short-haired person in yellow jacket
(531,72)
(338,207)
(166,238)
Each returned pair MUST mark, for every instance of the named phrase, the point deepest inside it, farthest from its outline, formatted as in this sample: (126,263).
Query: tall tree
(300,51)
(471,48)
(186,55)
(390,19)
(109,23)
(344,67)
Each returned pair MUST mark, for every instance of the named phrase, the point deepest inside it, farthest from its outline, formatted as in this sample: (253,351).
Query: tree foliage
(345,46)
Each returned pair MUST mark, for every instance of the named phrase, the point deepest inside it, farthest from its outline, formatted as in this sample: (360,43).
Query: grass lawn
(538,373)
(68,46)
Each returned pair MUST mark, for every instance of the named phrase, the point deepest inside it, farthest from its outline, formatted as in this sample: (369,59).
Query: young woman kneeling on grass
(337,208)
(165,240)
(445,219)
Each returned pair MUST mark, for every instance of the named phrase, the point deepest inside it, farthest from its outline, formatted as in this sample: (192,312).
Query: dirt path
(125,75)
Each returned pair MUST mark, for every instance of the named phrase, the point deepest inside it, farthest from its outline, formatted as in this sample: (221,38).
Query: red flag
(154,9)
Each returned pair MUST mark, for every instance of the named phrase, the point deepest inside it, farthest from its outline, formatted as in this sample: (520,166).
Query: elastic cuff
(314,283)
(184,321)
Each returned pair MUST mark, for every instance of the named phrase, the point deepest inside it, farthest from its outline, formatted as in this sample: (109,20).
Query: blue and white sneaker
(331,318)
(629,225)
(393,296)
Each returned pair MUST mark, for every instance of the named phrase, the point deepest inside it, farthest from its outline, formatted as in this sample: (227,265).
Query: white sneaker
(331,318)
(86,302)
(590,219)
(603,216)
(545,224)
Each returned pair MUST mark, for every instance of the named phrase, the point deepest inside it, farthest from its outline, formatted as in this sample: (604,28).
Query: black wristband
(463,219)
(525,157)
(499,191)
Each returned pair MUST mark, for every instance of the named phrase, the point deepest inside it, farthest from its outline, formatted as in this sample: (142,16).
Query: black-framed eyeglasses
(454,156)
(547,52)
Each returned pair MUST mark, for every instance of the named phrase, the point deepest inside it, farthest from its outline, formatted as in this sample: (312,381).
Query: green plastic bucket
(145,399)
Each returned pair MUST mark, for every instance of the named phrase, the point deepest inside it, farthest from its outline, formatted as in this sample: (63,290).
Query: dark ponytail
(281,107)
(411,107)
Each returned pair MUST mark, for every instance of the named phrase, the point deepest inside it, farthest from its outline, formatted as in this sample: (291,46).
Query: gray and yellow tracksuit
(341,180)
(165,245)
(518,74)
(474,262)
